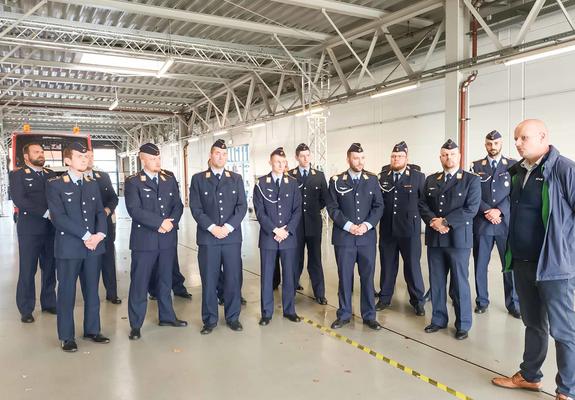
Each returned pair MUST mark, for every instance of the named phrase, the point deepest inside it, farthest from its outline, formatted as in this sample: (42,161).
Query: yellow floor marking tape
(387,360)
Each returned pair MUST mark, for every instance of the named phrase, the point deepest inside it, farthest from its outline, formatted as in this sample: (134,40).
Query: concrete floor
(281,361)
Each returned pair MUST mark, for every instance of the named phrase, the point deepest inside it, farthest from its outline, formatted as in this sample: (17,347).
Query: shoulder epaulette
(55,178)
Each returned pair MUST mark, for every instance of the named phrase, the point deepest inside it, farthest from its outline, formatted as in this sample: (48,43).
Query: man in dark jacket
(541,254)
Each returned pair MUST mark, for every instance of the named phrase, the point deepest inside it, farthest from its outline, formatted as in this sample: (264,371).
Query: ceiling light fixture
(394,90)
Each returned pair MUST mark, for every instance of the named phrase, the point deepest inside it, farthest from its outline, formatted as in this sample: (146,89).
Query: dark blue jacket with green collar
(557,257)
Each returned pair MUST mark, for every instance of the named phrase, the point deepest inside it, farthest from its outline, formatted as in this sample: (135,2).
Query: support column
(456,49)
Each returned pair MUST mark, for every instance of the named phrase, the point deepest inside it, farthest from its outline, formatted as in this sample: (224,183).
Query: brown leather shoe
(517,382)
(563,397)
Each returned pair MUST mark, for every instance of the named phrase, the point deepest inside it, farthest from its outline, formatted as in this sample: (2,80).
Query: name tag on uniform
(538,179)
(407,186)
(68,193)
(29,179)
(147,190)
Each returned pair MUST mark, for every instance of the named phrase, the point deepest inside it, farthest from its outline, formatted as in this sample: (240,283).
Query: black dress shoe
(427,296)
(243,301)
(235,326)
(264,321)
(51,310)
(27,319)
(115,300)
(207,329)
(97,338)
(419,311)
(515,314)
(432,328)
(380,306)
(177,323)
(338,323)
(184,295)
(299,287)
(372,324)
(70,346)
(480,309)
(460,335)
(321,300)
(135,334)
(152,297)
(292,317)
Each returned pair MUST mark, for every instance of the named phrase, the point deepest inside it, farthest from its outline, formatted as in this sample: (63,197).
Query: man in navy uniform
(541,255)
(315,195)
(277,203)
(491,225)
(449,204)
(35,233)
(218,204)
(153,202)
(110,202)
(400,230)
(355,206)
(178,278)
(78,215)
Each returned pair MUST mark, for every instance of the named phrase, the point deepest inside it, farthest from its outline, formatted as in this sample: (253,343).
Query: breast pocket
(148,198)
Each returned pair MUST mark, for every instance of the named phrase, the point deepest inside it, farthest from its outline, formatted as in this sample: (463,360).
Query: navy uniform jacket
(401,200)
(75,210)
(495,190)
(457,201)
(28,192)
(274,210)
(314,198)
(364,204)
(109,196)
(216,201)
(149,206)
(413,167)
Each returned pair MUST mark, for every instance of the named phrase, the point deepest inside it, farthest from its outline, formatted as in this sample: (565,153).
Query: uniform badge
(66,178)
(294,171)
(227,174)
(345,177)
(162,177)
(313,172)
(506,184)
(45,170)
(504,161)
(208,174)
(143,178)
(365,177)
(27,170)
(459,175)
(97,175)
(407,172)
(268,180)
(484,162)
(286,180)
(439,177)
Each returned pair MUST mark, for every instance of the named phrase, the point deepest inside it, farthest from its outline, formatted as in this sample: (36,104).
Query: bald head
(532,139)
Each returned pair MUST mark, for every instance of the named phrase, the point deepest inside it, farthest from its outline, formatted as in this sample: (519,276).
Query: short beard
(356,169)
(37,162)
(497,152)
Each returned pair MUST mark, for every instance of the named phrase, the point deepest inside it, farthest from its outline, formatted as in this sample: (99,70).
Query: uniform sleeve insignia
(66,178)
(162,177)
(143,178)
(97,175)
(504,161)
(313,171)
(484,162)
(227,174)
(208,174)
(268,180)
(27,170)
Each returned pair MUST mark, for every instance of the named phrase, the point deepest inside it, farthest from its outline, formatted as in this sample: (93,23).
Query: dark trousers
(223,261)
(277,273)
(69,270)
(109,263)
(443,261)
(141,271)
(314,265)
(220,290)
(177,279)
(410,249)
(547,307)
(482,247)
(346,258)
(288,264)
(34,249)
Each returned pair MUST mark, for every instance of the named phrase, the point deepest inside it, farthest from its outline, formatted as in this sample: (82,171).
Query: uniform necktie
(304,173)
(448,177)
(278,183)
(218,176)
(395,177)
(40,173)
(155,180)
(79,182)
(493,165)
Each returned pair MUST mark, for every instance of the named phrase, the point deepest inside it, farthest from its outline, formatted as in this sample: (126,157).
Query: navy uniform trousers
(482,247)
(288,259)
(547,307)
(347,257)
(34,249)
(68,272)
(177,279)
(109,262)
(410,249)
(220,263)
(143,263)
